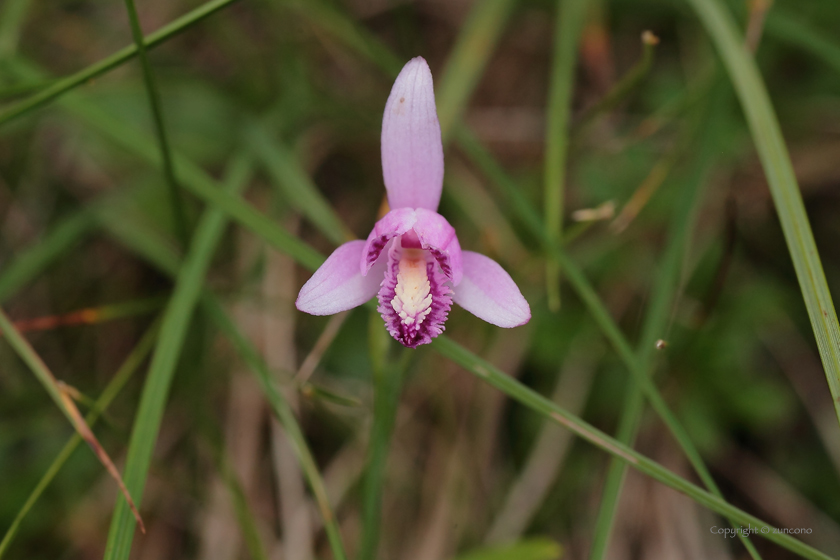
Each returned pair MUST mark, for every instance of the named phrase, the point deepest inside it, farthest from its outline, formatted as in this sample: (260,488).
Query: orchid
(412,259)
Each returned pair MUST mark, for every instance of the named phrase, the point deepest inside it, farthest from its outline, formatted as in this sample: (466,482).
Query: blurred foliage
(740,368)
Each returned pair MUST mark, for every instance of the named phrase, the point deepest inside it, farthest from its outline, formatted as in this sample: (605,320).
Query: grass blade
(164,360)
(152,40)
(784,189)
(284,413)
(61,238)
(62,396)
(387,385)
(178,212)
(569,22)
(121,377)
(295,184)
(663,294)
(469,56)
(787,28)
(536,402)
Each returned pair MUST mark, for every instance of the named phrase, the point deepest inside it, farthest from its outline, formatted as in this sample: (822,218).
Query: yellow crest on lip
(412,297)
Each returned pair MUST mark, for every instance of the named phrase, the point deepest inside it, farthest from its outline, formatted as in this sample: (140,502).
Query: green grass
(269,112)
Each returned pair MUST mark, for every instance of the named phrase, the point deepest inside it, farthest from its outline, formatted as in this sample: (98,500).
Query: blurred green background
(282,100)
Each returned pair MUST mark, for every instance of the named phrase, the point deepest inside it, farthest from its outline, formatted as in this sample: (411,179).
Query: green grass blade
(284,414)
(179,214)
(197,181)
(783,186)
(476,42)
(569,22)
(109,63)
(12,17)
(244,515)
(337,24)
(174,326)
(623,88)
(662,300)
(787,28)
(597,310)
(526,549)
(121,377)
(387,385)
(149,246)
(295,184)
(543,406)
(63,236)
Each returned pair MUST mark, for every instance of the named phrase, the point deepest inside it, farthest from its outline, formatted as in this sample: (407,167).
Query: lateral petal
(489,293)
(338,284)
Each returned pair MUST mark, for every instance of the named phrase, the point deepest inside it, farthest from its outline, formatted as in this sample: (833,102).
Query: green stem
(568,23)
(176,320)
(179,214)
(120,57)
(387,382)
(522,394)
(784,189)
(121,377)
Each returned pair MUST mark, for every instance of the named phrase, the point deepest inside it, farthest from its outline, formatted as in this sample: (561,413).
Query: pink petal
(489,293)
(439,238)
(338,284)
(412,153)
(395,222)
(432,231)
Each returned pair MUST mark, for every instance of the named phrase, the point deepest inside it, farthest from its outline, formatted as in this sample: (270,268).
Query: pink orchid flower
(412,258)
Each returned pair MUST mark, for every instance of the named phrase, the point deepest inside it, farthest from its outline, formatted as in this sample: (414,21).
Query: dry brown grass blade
(66,392)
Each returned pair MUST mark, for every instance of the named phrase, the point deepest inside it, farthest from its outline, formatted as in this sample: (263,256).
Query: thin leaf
(295,184)
(56,390)
(783,186)
(107,64)
(476,42)
(536,402)
(569,22)
(121,377)
(176,198)
(527,549)
(164,360)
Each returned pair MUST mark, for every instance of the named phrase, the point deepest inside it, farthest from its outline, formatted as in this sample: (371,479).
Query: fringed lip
(433,232)
(413,325)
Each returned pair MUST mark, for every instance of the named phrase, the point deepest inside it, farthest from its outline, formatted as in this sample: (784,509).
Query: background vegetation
(161,209)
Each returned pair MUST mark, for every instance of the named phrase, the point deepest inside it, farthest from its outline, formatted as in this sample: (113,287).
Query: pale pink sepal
(412,152)
(489,293)
(338,284)
(432,230)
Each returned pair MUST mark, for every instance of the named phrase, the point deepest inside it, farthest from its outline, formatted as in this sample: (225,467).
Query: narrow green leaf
(786,27)
(295,184)
(783,186)
(662,297)
(177,202)
(476,42)
(284,414)
(387,386)
(174,326)
(124,373)
(527,549)
(63,236)
(109,63)
(536,402)
(569,22)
